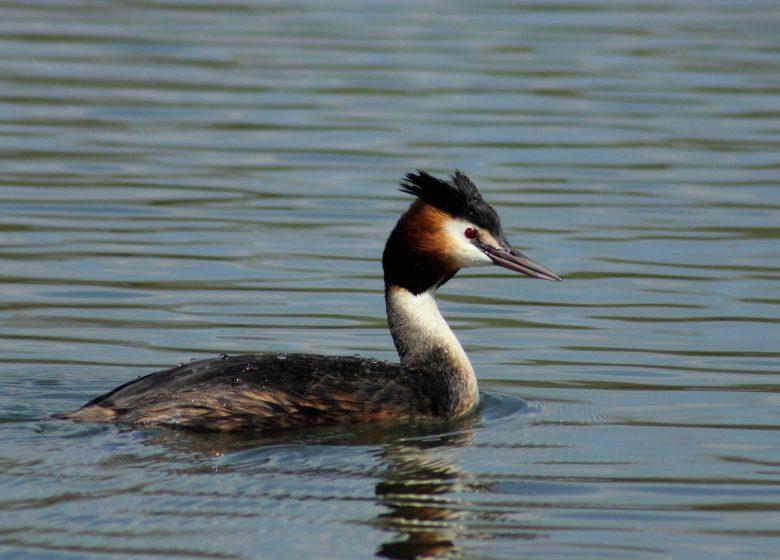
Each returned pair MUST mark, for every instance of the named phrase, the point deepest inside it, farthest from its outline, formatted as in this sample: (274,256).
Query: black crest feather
(458,196)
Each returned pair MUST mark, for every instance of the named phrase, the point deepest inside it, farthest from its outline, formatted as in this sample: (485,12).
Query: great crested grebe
(447,228)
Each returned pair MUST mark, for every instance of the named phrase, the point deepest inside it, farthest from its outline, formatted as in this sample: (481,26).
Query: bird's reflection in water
(417,489)
(418,466)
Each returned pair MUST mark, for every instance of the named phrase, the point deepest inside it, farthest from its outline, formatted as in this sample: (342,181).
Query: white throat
(425,341)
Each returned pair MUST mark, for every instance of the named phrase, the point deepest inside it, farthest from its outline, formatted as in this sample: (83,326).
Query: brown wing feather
(263,393)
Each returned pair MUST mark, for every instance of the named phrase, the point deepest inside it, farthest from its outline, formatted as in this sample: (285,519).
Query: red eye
(471,233)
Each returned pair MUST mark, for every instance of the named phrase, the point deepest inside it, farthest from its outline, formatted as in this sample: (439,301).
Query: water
(185,179)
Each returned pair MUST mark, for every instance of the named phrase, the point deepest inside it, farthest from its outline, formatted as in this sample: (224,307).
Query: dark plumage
(258,392)
(458,197)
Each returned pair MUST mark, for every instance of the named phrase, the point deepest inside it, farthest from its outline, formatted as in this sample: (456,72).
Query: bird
(447,227)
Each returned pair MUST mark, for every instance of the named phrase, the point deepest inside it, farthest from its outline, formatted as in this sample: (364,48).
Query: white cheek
(463,250)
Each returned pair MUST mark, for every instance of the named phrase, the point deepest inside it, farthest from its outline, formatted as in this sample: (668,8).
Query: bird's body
(448,228)
(261,392)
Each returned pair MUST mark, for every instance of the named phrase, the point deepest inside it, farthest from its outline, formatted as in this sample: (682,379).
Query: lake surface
(181,179)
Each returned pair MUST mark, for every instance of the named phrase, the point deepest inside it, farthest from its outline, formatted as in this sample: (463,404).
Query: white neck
(427,345)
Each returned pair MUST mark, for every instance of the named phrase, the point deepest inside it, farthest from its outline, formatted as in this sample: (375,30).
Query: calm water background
(181,179)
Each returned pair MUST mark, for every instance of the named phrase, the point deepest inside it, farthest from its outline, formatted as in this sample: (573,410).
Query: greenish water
(181,179)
